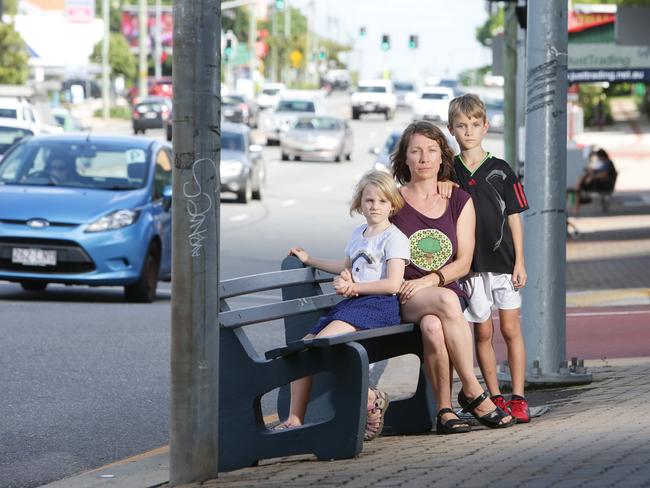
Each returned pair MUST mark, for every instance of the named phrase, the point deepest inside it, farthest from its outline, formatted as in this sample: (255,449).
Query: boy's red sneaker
(500,402)
(519,409)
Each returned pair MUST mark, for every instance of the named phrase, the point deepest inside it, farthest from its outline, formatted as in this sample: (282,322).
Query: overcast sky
(446,31)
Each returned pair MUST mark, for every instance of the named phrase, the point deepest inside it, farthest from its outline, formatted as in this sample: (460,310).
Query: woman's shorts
(486,290)
(364,312)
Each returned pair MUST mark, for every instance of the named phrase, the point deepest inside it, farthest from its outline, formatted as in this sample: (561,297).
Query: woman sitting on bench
(599,176)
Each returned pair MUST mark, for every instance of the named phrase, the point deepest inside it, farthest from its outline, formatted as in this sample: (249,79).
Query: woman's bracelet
(441,277)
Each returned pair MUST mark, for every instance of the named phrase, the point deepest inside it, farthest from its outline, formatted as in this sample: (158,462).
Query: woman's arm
(386,286)
(330,265)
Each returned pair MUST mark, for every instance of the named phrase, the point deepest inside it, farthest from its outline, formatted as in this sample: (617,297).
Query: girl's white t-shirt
(370,255)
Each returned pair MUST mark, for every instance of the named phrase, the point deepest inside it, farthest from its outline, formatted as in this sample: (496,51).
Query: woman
(441,236)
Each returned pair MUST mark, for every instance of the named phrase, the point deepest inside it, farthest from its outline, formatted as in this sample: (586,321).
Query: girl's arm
(334,266)
(519,276)
(386,286)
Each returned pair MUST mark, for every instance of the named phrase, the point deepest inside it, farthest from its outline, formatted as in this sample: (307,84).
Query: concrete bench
(336,415)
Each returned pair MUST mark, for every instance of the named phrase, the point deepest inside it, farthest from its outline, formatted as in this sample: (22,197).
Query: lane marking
(289,203)
(608,313)
(238,218)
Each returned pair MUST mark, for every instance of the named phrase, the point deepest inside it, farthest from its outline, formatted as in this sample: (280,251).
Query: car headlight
(114,220)
(230,167)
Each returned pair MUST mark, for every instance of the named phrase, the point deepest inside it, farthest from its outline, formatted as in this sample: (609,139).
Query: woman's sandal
(492,419)
(451,426)
(375,418)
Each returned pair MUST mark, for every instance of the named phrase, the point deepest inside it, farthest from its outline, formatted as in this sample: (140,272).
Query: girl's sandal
(375,418)
(493,419)
(284,426)
(451,426)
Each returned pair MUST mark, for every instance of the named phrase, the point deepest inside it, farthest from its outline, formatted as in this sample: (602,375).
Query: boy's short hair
(386,185)
(427,129)
(470,105)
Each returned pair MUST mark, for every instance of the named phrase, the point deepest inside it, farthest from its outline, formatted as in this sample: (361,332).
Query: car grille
(71,258)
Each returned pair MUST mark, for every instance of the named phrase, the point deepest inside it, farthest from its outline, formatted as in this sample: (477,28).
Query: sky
(446,31)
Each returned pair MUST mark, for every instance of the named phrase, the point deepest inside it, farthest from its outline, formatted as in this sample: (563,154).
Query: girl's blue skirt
(364,312)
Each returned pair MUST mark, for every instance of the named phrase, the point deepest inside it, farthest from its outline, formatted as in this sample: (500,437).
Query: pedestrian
(369,277)
(498,272)
(599,176)
(441,236)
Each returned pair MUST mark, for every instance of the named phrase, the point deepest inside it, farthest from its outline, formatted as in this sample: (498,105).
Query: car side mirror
(167,197)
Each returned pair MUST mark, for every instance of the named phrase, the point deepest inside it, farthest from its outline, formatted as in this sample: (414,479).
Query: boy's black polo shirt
(496,193)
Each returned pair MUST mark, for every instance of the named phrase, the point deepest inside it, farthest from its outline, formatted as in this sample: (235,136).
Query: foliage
(492,26)
(236,20)
(115,112)
(120,57)
(595,104)
(10,6)
(13,56)
(473,76)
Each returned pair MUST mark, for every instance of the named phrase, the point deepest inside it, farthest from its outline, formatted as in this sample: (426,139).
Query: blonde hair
(470,105)
(386,184)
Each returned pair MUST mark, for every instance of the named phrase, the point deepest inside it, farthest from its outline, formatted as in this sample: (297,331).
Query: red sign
(79,10)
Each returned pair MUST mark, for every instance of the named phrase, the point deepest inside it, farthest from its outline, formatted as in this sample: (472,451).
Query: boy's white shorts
(486,290)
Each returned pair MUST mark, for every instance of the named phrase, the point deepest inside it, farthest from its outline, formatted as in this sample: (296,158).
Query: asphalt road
(85,376)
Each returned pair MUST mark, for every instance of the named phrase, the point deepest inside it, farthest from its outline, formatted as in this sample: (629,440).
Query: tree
(13,56)
(120,57)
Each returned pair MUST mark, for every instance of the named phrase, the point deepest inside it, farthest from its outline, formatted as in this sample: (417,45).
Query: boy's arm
(519,276)
(446,187)
(387,286)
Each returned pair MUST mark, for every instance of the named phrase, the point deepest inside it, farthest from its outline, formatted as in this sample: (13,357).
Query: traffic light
(228,50)
(362,31)
(413,41)
(385,42)
(279,4)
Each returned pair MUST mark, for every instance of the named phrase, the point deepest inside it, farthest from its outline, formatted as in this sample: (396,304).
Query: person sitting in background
(599,176)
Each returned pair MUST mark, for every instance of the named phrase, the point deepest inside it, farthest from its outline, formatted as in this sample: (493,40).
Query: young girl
(369,277)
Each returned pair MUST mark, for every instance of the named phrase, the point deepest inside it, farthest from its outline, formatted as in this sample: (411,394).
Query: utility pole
(105,66)
(158,39)
(252,36)
(143,89)
(521,88)
(510,84)
(274,51)
(544,297)
(194,419)
(287,36)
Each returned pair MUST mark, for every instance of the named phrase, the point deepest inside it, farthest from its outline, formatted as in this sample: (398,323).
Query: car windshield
(271,91)
(232,141)
(8,113)
(372,89)
(434,96)
(494,104)
(404,86)
(9,135)
(230,100)
(78,164)
(318,123)
(145,107)
(296,106)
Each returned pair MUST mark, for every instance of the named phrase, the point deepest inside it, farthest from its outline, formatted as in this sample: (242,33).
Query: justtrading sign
(611,75)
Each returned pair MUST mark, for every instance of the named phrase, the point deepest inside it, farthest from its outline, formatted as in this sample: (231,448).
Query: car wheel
(169,133)
(355,114)
(34,285)
(144,290)
(245,193)
(135,132)
(285,157)
(348,156)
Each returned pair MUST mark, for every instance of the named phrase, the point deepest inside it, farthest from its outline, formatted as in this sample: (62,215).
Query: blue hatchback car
(88,210)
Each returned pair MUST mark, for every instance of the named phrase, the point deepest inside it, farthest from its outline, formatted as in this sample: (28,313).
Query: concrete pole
(194,419)
(274,51)
(510,84)
(158,37)
(521,97)
(143,88)
(252,37)
(544,297)
(286,67)
(106,101)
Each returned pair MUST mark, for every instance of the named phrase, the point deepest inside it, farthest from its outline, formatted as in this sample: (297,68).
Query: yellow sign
(296,58)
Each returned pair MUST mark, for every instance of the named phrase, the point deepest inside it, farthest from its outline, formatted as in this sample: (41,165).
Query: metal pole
(194,419)
(274,52)
(544,297)
(158,50)
(521,96)
(510,85)
(287,35)
(143,89)
(106,102)
(252,36)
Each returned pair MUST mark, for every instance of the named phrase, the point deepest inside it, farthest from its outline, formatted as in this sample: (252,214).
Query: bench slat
(268,281)
(234,319)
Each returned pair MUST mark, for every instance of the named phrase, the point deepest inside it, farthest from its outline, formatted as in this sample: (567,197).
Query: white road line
(288,203)
(611,312)
(239,218)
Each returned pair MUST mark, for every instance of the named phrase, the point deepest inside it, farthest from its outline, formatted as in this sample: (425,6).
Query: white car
(12,131)
(270,95)
(374,96)
(21,110)
(406,92)
(289,108)
(433,104)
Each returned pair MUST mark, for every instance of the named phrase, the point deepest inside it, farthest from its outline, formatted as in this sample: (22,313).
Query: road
(85,376)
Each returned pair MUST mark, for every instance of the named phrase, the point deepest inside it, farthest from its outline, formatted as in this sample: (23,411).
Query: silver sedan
(317,138)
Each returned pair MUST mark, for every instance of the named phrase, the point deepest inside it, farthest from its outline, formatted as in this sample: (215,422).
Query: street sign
(296,58)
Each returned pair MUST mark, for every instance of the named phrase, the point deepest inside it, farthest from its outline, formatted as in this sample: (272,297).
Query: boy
(498,271)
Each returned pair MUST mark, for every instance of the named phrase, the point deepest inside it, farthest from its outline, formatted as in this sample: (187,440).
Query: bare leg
(487,360)
(511,330)
(436,362)
(445,304)
(301,388)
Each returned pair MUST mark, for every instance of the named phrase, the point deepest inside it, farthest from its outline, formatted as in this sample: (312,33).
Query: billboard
(130,27)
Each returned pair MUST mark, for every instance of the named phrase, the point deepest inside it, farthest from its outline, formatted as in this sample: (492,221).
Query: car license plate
(150,115)
(33,257)
(228,112)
